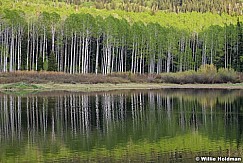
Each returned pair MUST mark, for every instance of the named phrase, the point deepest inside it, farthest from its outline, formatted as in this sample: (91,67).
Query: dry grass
(57,77)
(64,78)
(188,77)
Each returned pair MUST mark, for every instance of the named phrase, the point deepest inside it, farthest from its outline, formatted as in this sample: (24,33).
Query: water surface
(123,126)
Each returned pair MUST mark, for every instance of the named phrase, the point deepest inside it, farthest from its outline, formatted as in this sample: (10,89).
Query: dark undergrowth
(207,74)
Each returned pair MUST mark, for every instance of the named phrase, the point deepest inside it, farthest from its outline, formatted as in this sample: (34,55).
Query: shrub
(206,74)
(208,69)
(227,75)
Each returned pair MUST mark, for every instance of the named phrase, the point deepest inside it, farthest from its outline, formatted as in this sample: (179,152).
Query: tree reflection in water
(113,120)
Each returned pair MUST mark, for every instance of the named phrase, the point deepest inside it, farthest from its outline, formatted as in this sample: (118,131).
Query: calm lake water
(121,126)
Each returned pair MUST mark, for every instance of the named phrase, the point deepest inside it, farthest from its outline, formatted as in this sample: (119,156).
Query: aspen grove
(105,43)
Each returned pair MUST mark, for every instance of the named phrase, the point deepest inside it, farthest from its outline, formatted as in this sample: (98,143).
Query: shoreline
(122,86)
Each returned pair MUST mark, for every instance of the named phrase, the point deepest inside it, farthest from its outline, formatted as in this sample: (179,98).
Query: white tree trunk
(168,59)
(97,56)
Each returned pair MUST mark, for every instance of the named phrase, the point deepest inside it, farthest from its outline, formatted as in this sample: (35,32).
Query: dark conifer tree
(52,63)
(40,63)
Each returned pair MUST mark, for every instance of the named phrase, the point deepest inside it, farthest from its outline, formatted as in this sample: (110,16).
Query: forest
(74,37)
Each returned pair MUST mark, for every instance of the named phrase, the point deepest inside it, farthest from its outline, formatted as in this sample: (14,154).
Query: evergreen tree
(40,63)
(240,45)
(52,64)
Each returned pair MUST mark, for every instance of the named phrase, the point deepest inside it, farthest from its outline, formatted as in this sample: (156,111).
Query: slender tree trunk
(141,58)
(211,50)
(204,52)
(65,55)
(20,50)
(15,59)
(37,51)
(44,45)
(112,57)
(5,66)
(133,49)
(53,38)
(97,56)
(83,51)
(122,58)
(2,51)
(11,50)
(74,52)
(33,47)
(86,60)
(225,51)
(80,53)
(71,56)
(109,59)
(28,46)
(135,58)
(168,59)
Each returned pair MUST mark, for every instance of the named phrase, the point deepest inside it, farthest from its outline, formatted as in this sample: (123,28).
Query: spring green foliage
(193,20)
(88,40)
(231,7)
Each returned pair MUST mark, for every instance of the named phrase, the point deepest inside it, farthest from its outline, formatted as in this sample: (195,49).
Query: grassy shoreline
(110,87)
(129,86)
(27,81)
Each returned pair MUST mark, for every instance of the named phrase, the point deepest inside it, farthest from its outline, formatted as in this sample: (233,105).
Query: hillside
(75,37)
(231,7)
